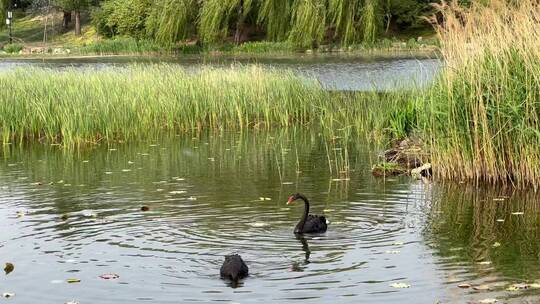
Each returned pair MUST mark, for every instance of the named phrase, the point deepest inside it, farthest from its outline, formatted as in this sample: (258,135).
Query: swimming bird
(309,223)
(234,269)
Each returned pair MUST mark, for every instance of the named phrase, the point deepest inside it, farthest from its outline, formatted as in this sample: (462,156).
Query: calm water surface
(69,214)
(334,72)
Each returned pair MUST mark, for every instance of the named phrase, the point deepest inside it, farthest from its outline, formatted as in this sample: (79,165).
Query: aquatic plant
(481,117)
(80,107)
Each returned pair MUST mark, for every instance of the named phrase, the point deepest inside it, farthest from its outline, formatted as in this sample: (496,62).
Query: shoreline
(377,53)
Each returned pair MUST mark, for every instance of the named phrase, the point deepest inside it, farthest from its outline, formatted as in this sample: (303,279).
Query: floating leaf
(499,199)
(481,287)
(500,220)
(108,172)
(400,285)
(488,301)
(517,213)
(130,162)
(464,285)
(519,286)
(8,295)
(328,210)
(21,213)
(259,224)
(287,183)
(126,170)
(192,198)
(178,192)
(109,276)
(72,302)
(8,268)
(85,161)
(397,243)
(485,263)
(57,281)
(496,244)
(392,251)
(72,280)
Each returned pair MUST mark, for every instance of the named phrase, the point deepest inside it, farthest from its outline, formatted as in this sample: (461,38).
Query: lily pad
(109,276)
(72,280)
(400,285)
(8,268)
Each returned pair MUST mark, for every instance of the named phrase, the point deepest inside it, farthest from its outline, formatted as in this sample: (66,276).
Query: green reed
(83,107)
(481,117)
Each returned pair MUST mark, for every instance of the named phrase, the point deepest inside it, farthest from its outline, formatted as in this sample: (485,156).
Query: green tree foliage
(275,15)
(171,20)
(123,17)
(216,16)
(308,22)
(303,23)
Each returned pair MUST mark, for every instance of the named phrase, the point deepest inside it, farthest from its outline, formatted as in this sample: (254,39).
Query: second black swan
(309,223)
(233,268)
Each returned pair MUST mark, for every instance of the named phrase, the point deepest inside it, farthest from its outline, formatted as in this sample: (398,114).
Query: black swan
(233,268)
(309,223)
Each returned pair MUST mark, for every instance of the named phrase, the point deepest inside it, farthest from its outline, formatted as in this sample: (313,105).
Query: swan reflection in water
(299,266)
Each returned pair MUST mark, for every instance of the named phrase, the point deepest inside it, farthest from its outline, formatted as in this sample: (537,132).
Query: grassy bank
(78,107)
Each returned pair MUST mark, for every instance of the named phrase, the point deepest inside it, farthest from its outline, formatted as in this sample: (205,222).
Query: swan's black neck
(300,226)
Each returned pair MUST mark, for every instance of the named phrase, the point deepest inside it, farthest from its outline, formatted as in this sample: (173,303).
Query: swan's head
(293,197)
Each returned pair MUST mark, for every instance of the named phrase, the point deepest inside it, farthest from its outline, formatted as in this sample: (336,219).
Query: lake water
(334,72)
(76,215)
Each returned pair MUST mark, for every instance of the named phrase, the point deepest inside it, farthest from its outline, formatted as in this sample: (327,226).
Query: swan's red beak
(290,200)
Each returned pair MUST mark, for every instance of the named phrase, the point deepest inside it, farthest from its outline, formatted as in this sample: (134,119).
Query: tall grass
(482,114)
(80,107)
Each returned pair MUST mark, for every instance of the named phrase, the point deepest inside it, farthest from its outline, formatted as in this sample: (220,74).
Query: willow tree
(76,6)
(171,20)
(275,15)
(216,15)
(308,23)
(371,20)
(4,4)
(345,16)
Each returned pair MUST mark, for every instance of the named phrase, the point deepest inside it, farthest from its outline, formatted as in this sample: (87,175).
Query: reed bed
(82,107)
(481,117)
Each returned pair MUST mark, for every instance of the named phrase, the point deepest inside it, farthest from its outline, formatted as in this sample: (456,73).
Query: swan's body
(233,268)
(309,223)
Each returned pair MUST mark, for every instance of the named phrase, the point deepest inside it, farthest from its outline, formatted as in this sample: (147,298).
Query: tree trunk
(239,23)
(66,20)
(77,23)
